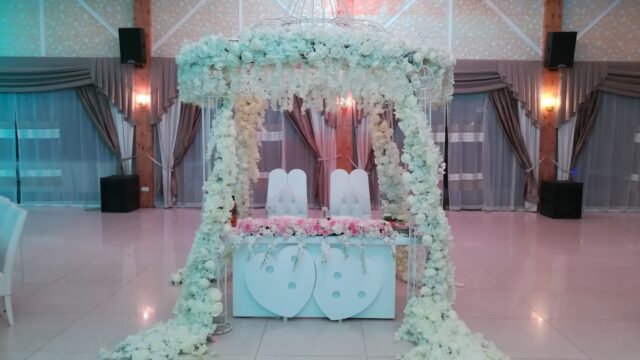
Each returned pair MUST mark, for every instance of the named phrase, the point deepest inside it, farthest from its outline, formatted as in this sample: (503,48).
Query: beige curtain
(585,120)
(188,128)
(301,121)
(99,109)
(506,107)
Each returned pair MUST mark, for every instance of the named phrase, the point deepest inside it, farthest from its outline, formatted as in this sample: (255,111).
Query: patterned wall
(478,31)
(67,29)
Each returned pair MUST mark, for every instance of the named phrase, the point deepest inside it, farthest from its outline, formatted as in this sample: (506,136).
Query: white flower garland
(249,113)
(316,64)
(393,193)
(430,322)
(199,302)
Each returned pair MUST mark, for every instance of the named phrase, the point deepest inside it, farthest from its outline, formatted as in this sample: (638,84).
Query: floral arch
(272,64)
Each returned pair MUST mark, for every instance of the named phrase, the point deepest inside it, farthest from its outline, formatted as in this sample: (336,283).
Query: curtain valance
(113,79)
(35,79)
(578,82)
(164,86)
(475,76)
(622,82)
(523,78)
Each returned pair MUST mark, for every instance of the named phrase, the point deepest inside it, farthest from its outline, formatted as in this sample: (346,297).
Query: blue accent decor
(272,285)
(337,289)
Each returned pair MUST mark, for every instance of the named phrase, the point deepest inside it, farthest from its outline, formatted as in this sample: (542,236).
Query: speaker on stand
(119,193)
(561,199)
(132,46)
(561,46)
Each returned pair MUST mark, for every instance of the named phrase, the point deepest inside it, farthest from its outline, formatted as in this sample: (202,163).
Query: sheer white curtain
(272,150)
(483,172)
(466,120)
(565,147)
(61,154)
(281,147)
(503,176)
(125,138)
(609,165)
(363,141)
(167,132)
(8,180)
(325,137)
(189,174)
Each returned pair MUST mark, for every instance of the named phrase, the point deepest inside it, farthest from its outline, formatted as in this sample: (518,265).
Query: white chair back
(350,194)
(12,220)
(287,193)
(11,224)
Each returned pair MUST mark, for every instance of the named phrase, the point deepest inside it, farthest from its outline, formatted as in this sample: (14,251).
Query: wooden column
(344,138)
(550,84)
(141,113)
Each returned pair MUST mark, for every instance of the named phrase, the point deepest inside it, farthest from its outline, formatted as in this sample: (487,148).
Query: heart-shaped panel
(277,285)
(342,288)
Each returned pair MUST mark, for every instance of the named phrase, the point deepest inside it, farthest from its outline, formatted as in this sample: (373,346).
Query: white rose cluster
(199,303)
(316,64)
(249,117)
(393,193)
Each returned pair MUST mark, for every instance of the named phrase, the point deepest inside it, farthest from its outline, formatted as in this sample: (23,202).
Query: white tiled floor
(539,288)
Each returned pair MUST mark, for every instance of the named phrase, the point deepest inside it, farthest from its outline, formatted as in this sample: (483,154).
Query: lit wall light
(549,102)
(345,103)
(143,99)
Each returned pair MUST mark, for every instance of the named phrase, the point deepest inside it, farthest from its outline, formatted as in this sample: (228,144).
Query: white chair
(287,193)
(350,194)
(11,223)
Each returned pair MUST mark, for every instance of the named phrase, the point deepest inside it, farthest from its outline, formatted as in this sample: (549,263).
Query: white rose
(256,44)
(336,52)
(188,347)
(141,355)
(418,57)
(204,283)
(217,309)
(367,48)
(215,295)
(176,278)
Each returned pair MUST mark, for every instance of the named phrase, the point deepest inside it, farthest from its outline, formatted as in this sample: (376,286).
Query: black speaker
(132,46)
(561,46)
(561,199)
(119,193)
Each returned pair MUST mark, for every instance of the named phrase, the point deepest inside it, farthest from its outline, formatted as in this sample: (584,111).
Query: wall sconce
(143,99)
(549,102)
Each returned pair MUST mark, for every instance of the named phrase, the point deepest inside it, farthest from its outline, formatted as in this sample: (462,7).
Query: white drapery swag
(167,133)
(565,148)
(325,137)
(363,141)
(125,138)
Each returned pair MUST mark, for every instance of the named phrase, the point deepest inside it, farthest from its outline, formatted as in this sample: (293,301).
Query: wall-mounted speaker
(561,46)
(132,46)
